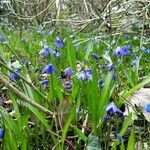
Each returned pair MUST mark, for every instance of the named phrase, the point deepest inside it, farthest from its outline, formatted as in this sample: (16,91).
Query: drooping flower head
(95,56)
(68,87)
(68,71)
(14,76)
(44,83)
(49,69)
(82,76)
(46,51)
(112,109)
(121,51)
(2,39)
(105,118)
(59,42)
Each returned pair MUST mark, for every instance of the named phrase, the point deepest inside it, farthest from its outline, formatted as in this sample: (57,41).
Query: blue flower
(147,108)
(2,133)
(105,118)
(121,51)
(49,69)
(89,71)
(95,56)
(126,36)
(109,66)
(78,110)
(68,87)
(100,83)
(58,54)
(112,109)
(59,42)
(119,136)
(44,83)
(82,76)
(134,62)
(46,51)
(68,71)
(13,76)
(2,39)
(114,77)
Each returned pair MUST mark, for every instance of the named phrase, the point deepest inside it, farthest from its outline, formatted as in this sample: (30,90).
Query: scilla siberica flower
(1,133)
(59,42)
(95,56)
(147,108)
(82,76)
(112,109)
(13,76)
(44,83)
(58,54)
(68,71)
(121,51)
(46,51)
(2,39)
(68,87)
(49,69)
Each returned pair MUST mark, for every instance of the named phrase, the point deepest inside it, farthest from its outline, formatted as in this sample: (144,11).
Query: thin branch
(23,96)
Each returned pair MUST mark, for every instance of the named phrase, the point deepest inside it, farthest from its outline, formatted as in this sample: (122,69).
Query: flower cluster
(121,51)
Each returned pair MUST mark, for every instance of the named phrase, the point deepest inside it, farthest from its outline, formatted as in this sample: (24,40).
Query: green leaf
(131,141)
(66,126)
(14,128)
(80,134)
(71,55)
(89,49)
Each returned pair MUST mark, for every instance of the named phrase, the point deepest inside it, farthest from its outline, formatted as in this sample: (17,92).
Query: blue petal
(59,42)
(49,69)
(95,56)
(1,133)
(82,76)
(2,39)
(68,71)
(58,54)
(68,87)
(14,76)
(44,83)
(147,108)
(105,118)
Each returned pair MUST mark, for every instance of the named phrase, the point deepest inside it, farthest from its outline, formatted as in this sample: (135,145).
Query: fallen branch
(23,96)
